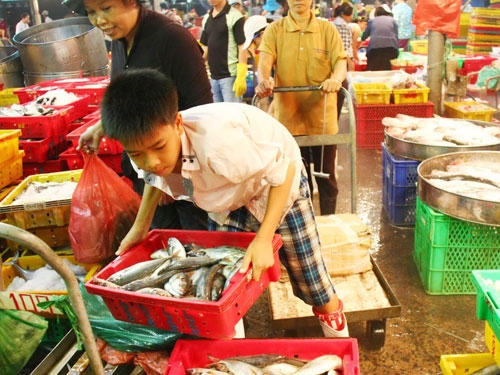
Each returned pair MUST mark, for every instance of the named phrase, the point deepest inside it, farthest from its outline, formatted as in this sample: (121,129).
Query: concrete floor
(429,325)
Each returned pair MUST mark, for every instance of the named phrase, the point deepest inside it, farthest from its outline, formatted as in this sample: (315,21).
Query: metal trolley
(297,320)
(347,138)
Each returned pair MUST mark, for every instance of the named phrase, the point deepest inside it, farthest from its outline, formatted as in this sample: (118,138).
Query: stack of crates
(399,187)
(48,219)
(447,251)
(484,30)
(45,141)
(11,158)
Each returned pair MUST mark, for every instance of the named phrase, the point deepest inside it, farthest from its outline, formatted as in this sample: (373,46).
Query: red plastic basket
(369,128)
(30,93)
(41,150)
(106,147)
(50,166)
(78,108)
(73,159)
(212,319)
(197,353)
(94,87)
(53,125)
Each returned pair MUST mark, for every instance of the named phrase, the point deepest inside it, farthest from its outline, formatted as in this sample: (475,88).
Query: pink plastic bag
(103,209)
(438,15)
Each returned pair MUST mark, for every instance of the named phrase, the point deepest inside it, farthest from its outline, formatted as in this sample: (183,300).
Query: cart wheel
(375,330)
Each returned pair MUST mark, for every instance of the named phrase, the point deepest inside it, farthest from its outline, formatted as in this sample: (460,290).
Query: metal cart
(294,316)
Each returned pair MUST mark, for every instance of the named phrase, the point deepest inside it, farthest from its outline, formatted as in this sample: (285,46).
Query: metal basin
(11,69)
(419,151)
(66,45)
(456,205)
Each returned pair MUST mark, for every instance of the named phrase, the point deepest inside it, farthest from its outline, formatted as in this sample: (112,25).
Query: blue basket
(399,193)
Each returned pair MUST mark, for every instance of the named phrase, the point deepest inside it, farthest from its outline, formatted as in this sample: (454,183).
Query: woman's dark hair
(136,102)
(379,11)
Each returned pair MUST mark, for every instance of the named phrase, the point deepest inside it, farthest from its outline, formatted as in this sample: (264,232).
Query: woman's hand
(89,141)
(260,254)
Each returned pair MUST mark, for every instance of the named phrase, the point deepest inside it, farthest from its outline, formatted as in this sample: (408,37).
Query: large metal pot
(67,45)
(11,69)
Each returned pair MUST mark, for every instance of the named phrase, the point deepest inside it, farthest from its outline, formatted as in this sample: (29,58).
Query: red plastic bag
(438,15)
(103,209)
(153,363)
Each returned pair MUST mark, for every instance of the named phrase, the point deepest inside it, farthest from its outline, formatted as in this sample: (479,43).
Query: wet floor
(429,325)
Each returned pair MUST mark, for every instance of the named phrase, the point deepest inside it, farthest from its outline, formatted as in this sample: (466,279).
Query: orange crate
(11,170)
(469,110)
(9,144)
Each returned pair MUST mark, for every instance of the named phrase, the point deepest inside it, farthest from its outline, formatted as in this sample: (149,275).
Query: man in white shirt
(23,24)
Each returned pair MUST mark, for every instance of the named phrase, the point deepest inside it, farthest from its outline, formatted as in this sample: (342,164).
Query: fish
(184,264)
(176,248)
(204,371)
(22,272)
(136,271)
(204,286)
(280,368)
(259,360)
(178,285)
(106,283)
(235,367)
(154,291)
(226,254)
(217,287)
(160,254)
(320,365)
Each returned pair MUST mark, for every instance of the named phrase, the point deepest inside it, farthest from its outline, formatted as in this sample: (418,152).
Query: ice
(46,191)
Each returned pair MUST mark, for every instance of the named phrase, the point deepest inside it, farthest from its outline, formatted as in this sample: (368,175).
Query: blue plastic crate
(399,179)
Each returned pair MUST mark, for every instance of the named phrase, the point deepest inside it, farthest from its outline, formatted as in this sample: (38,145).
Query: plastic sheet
(438,15)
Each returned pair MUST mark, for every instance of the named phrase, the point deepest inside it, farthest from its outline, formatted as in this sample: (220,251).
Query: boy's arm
(142,223)
(260,251)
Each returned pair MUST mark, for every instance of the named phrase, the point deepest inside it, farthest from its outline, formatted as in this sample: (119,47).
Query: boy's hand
(260,254)
(89,141)
(133,237)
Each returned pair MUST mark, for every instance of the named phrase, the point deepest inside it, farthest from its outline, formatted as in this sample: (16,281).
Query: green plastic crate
(447,250)
(488,297)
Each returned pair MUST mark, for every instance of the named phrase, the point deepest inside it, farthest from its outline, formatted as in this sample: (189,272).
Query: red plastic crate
(197,353)
(50,166)
(94,87)
(212,319)
(41,150)
(53,125)
(369,128)
(106,147)
(77,109)
(30,93)
(74,160)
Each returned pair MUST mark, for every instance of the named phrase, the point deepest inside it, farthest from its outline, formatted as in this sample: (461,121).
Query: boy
(234,161)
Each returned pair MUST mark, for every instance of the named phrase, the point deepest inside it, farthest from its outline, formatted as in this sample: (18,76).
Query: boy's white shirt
(242,152)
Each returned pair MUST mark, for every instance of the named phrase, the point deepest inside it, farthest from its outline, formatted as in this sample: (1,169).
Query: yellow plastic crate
(407,96)
(464,364)
(7,97)
(55,237)
(11,170)
(492,343)
(9,144)
(39,214)
(28,300)
(419,46)
(468,110)
(372,93)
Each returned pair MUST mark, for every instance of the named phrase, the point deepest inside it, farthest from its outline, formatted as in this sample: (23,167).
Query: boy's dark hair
(136,102)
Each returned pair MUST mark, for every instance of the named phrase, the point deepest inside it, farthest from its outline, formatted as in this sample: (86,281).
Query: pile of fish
(184,271)
(31,109)
(440,131)
(468,179)
(56,97)
(271,364)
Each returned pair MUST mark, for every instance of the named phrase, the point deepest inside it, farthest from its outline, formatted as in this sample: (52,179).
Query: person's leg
(216,90)
(327,187)
(307,159)
(309,277)
(226,87)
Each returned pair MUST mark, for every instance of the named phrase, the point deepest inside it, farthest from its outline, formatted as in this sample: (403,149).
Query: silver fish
(280,369)
(176,248)
(178,285)
(204,371)
(22,272)
(320,365)
(184,264)
(148,282)
(204,286)
(226,254)
(155,291)
(136,271)
(217,287)
(106,283)
(259,360)
(237,367)
(160,254)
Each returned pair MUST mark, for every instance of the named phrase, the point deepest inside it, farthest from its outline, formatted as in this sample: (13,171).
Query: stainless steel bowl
(456,205)
(419,151)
